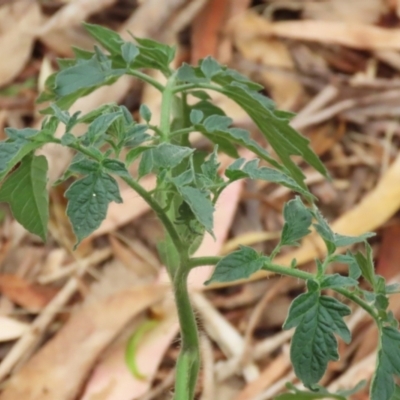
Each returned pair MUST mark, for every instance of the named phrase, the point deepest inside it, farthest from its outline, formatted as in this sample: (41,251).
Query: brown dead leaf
(73,14)
(351,34)
(18,22)
(364,11)
(30,296)
(271,53)
(268,376)
(59,369)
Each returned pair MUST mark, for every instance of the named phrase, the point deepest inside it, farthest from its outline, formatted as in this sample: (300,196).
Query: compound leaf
(316,319)
(216,128)
(25,191)
(383,386)
(282,137)
(297,221)
(238,265)
(88,200)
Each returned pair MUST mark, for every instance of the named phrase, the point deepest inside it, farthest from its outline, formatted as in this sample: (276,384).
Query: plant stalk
(188,364)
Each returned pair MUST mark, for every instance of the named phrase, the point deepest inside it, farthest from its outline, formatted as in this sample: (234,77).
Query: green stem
(146,78)
(188,364)
(295,273)
(168,225)
(166,106)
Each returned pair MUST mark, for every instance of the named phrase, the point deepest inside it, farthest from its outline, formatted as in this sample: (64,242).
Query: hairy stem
(188,364)
(166,106)
(146,78)
(168,225)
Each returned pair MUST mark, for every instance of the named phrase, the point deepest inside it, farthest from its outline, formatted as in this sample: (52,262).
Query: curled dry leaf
(54,372)
(19,22)
(20,291)
(354,35)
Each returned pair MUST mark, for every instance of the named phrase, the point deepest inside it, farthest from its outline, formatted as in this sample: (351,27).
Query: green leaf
(16,147)
(396,394)
(383,385)
(200,94)
(333,240)
(297,221)
(238,265)
(210,176)
(366,265)
(88,74)
(25,191)
(196,116)
(165,155)
(161,55)
(100,126)
(84,166)
(325,231)
(282,137)
(350,260)
(200,204)
(210,67)
(88,200)
(145,112)
(133,154)
(381,302)
(129,52)
(343,241)
(231,77)
(108,38)
(115,167)
(187,73)
(317,318)
(338,281)
(251,170)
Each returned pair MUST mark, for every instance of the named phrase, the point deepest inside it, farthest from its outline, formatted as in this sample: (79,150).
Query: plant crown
(188,186)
